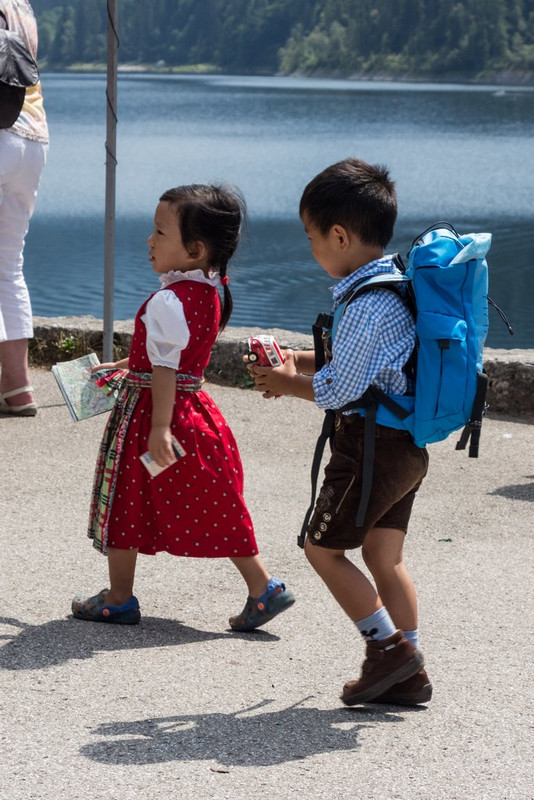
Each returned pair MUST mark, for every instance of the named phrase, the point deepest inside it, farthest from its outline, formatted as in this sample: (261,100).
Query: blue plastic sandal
(93,609)
(259,610)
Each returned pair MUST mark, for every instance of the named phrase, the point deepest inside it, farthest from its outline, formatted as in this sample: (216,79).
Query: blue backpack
(445,285)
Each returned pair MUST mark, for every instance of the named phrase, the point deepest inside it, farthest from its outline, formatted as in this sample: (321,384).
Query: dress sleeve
(167,332)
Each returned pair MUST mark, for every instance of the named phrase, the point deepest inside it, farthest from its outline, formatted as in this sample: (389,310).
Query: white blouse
(167,332)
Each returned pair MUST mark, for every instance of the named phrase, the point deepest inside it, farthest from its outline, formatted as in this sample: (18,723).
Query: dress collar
(175,275)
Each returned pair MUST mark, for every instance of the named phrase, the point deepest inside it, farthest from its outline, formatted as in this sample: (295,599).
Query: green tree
(429,38)
(63,51)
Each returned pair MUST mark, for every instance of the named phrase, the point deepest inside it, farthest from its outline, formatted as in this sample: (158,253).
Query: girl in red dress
(195,506)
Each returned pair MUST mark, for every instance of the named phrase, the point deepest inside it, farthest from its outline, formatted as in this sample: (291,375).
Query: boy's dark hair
(212,215)
(361,197)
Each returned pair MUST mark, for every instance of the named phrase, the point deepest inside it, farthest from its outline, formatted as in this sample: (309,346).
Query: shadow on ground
(59,641)
(245,738)
(517,491)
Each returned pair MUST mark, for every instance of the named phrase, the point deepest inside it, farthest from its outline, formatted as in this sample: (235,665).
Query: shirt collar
(376,267)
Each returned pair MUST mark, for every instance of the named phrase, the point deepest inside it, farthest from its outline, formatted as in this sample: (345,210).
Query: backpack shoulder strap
(384,280)
(387,280)
(327,323)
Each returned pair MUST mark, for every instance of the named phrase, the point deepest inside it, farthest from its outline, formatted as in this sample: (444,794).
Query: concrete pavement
(181,707)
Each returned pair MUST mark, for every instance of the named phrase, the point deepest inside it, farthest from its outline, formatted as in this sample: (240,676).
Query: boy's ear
(340,236)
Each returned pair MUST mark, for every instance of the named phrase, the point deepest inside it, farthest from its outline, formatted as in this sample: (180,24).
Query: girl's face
(166,249)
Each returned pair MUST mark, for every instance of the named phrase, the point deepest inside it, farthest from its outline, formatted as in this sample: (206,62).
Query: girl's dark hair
(359,196)
(212,215)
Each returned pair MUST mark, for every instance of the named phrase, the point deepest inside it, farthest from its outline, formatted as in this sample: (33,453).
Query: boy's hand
(160,445)
(274,381)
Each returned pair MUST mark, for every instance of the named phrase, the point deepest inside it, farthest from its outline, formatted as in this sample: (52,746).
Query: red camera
(265,351)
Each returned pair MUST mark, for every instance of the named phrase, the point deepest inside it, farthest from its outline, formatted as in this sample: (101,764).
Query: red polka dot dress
(195,507)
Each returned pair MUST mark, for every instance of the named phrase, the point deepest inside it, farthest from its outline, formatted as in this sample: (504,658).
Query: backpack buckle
(324,320)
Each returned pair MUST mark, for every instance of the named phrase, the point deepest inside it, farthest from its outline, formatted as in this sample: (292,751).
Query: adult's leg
(15,373)
(21,164)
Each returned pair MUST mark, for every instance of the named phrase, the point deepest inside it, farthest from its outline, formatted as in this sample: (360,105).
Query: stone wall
(510,372)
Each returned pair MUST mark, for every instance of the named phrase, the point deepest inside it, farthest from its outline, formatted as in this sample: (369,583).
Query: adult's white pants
(21,165)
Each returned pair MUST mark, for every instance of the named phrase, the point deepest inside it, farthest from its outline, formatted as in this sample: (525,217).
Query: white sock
(412,636)
(377,626)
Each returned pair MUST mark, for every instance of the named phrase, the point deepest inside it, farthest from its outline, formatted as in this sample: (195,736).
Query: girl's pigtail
(228,303)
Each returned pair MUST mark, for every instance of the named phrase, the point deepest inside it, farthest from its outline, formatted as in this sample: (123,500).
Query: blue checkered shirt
(374,339)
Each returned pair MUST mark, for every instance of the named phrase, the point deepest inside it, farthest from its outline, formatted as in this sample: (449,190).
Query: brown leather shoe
(411,692)
(387,662)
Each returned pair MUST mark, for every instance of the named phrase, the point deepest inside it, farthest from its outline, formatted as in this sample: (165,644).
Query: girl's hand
(273,381)
(160,445)
(122,364)
(107,365)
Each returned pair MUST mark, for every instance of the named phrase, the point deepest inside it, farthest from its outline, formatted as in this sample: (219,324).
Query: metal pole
(111,163)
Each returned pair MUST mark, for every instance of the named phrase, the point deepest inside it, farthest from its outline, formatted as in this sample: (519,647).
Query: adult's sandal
(26,410)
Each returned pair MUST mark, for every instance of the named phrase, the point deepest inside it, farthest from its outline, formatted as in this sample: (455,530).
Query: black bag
(18,70)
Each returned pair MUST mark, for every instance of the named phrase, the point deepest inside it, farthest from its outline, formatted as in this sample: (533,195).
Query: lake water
(461,153)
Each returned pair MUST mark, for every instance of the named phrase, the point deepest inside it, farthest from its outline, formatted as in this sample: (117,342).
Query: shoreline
(510,372)
(500,79)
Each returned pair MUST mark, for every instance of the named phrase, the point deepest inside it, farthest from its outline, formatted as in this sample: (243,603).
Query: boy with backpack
(349,211)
